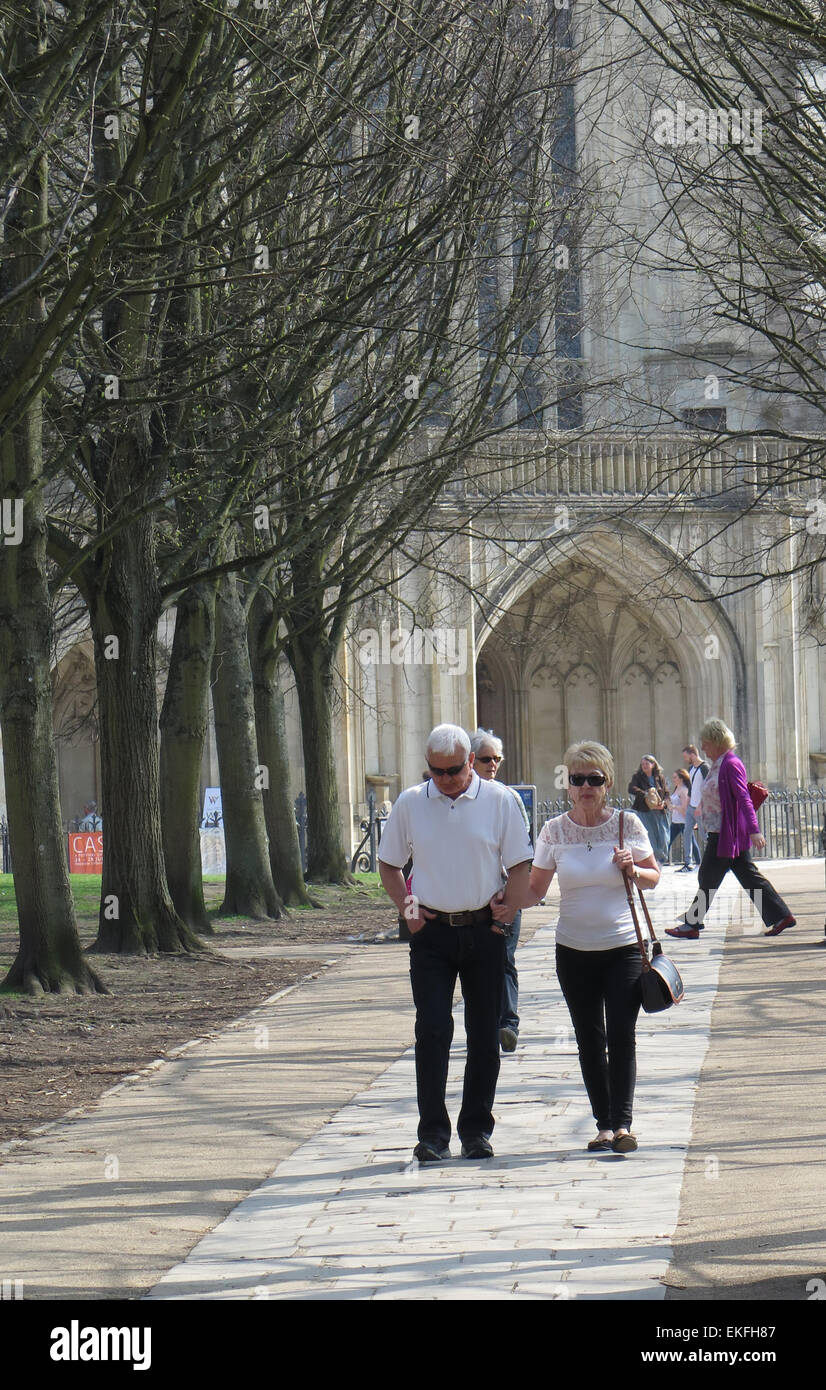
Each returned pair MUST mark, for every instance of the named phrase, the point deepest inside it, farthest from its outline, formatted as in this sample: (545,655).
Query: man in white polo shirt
(460,831)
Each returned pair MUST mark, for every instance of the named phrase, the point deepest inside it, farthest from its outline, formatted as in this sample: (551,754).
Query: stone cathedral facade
(598,576)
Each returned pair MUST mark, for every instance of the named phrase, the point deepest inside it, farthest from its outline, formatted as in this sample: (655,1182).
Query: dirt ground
(60,1052)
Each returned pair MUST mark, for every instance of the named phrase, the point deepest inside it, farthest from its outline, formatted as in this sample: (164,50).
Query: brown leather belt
(479,916)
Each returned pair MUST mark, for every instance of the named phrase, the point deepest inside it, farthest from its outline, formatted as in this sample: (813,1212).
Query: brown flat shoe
(781,926)
(623,1144)
(599,1145)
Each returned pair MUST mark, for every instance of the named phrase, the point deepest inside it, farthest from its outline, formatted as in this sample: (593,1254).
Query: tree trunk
(50,957)
(271,731)
(313,669)
(250,891)
(183,732)
(137,914)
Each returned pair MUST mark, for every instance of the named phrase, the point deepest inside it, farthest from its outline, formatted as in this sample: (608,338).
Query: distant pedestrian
(693,838)
(460,831)
(490,754)
(731,825)
(651,803)
(680,791)
(597,956)
(90,819)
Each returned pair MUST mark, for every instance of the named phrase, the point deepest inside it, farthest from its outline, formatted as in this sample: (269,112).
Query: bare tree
(50,957)
(734,148)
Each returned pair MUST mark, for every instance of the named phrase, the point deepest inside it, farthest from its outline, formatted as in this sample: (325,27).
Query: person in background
(731,825)
(460,831)
(651,803)
(693,836)
(680,792)
(597,957)
(90,819)
(488,751)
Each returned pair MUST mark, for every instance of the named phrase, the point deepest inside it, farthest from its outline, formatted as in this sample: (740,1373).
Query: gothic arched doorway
(574,657)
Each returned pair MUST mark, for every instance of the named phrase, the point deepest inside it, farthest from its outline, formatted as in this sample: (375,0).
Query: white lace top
(593,911)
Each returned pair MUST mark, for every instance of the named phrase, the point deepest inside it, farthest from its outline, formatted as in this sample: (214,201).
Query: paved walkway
(318,1086)
(350,1216)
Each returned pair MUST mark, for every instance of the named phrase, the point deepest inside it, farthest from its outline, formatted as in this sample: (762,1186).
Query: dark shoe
(599,1145)
(477,1148)
(428,1153)
(623,1144)
(689,933)
(781,926)
(686,869)
(508,1039)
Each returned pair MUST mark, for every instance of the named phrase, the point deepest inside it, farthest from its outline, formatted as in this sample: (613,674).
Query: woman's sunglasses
(489,758)
(594,779)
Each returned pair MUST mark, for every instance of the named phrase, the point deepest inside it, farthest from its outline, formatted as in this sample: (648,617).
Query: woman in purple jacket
(730,823)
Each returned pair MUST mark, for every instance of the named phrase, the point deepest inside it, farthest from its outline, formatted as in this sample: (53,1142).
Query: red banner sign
(86,852)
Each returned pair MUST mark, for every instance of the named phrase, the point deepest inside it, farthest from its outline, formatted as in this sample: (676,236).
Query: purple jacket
(738,819)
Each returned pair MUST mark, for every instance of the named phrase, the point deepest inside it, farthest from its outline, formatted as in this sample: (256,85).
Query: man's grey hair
(446,738)
(480,737)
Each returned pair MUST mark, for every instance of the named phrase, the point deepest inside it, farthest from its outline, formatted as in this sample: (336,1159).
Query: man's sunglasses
(489,758)
(446,771)
(594,779)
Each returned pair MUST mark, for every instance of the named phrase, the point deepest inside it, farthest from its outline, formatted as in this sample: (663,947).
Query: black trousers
(438,954)
(713,870)
(601,989)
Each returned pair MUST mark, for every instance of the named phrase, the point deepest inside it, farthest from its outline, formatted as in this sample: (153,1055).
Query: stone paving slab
(350,1215)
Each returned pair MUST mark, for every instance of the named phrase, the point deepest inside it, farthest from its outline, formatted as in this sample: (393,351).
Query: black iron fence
(793,822)
(6,847)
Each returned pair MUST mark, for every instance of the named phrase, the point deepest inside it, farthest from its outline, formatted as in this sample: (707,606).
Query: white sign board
(213,809)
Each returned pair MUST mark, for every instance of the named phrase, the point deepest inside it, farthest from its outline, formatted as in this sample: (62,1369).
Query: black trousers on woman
(710,875)
(601,989)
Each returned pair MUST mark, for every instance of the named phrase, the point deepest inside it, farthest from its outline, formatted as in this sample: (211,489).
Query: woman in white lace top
(597,957)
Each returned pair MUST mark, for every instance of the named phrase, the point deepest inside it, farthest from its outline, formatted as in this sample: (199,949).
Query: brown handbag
(660,981)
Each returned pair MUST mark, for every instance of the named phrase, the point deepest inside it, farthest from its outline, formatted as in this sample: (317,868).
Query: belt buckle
(451,915)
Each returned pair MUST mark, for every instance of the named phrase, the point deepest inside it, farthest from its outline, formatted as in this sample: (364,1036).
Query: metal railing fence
(793,822)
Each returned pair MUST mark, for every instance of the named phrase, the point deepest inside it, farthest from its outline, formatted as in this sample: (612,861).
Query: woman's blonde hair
(591,755)
(715,731)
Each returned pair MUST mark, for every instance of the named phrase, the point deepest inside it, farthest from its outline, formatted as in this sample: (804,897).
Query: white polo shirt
(458,847)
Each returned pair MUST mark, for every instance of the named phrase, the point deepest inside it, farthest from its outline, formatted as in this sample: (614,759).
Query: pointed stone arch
(684,643)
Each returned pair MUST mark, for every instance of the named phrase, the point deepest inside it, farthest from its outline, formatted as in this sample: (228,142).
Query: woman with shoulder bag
(597,955)
(730,822)
(651,803)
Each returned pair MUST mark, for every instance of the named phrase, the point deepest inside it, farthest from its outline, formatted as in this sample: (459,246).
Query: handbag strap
(629,893)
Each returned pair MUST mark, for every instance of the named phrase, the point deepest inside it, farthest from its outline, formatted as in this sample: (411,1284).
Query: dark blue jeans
(509,1017)
(656,823)
(438,954)
(601,989)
